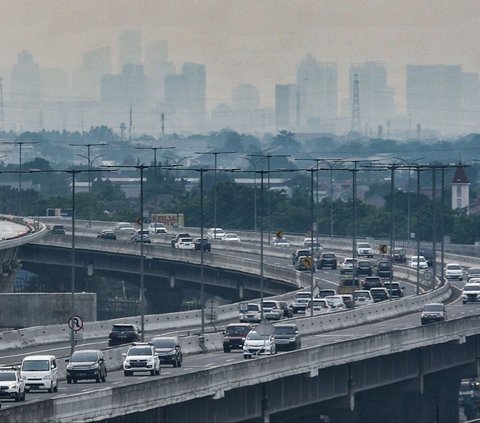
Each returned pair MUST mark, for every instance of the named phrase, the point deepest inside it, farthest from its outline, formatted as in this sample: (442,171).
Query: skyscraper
(317,94)
(129,48)
(434,96)
(285,106)
(157,67)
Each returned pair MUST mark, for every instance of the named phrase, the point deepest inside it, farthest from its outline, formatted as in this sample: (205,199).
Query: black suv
(372,282)
(123,333)
(58,230)
(107,234)
(364,268)
(394,289)
(168,350)
(327,260)
(234,336)
(205,242)
(287,337)
(384,268)
(86,364)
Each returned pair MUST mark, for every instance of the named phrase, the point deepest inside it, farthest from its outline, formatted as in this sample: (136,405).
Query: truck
(348,285)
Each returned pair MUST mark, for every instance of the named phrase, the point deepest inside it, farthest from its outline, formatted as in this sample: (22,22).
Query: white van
(40,372)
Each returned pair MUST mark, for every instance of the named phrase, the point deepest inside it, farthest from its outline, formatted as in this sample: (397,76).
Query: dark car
(327,260)
(287,336)
(287,308)
(58,230)
(85,365)
(300,253)
(123,333)
(379,294)
(168,350)
(428,254)
(384,268)
(434,312)
(364,268)
(372,282)
(234,336)
(304,263)
(176,237)
(394,289)
(141,236)
(107,234)
(399,255)
(205,242)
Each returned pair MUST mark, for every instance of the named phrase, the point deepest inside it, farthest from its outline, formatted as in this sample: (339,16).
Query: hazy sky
(256,41)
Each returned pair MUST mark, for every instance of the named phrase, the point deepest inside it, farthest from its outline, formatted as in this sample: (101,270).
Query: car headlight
(291,339)
(14,386)
(47,377)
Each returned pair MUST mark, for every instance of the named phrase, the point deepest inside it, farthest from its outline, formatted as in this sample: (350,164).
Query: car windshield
(185,240)
(328,256)
(433,307)
(303,295)
(163,342)
(363,245)
(35,365)
(84,356)
(384,265)
(253,307)
(361,294)
(269,304)
(7,376)
(237,330)
(122,329)
(453,267)
(284,330)
(471,287)
(255,336)
(320,303)
(364,264)
(474,271)
(140,351)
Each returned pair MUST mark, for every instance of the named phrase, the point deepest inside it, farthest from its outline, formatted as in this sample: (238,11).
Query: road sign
(75,323)
(383,249)
(308,262)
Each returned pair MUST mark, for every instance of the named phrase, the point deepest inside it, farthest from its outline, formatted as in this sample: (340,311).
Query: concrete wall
(27,310)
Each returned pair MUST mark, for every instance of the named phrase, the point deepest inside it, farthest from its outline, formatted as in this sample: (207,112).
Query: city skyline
(246,42)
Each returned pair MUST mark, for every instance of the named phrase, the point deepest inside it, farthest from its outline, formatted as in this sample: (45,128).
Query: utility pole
(2,121)
(163,125)
(123,129)
(130,124)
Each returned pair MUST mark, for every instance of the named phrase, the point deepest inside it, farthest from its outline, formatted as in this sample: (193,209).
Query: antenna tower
(356,124)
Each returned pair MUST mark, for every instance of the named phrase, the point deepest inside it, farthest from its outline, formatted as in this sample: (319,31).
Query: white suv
(141,357)
(471,293)
(364,250)
(11,384)
(215,233)
(454,271)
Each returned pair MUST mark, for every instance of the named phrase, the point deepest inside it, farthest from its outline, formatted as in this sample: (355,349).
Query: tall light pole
(215,154)
(90,204)
(254,163)
(178,164)
(268,157)
(155,149)
(20,144)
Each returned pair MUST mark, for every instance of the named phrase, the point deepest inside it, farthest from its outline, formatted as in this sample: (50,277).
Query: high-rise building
(470,101)
(55,84)
(129,48)
(195,87)
(434,96)
(26,92)
(157,67)
(376,98)
(86,80)
(317,95)
(286,106)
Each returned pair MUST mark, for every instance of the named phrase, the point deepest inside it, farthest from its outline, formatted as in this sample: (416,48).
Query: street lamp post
(20,144)
(254,163)
(215,154)
(177,164)
(89,162)
(155,149)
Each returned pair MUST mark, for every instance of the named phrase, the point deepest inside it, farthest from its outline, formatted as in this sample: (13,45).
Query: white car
(362,297)
(157,228)
(272,310)
(256,344)
(251,313)
(215,233)
(141,357)
(40,372)
(280,242)
(185,244)
(454,271)
(124,227)
(347,265)
(364,250)
(335,302)
(419,261)
(471,292)
(320,306)
(230,236)
(12,385)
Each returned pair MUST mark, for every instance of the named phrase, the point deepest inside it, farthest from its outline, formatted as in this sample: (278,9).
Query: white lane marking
(327,281)
(166,373)
(210,364)
(336,334)
(116,383)
(143,377)
(230,359)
